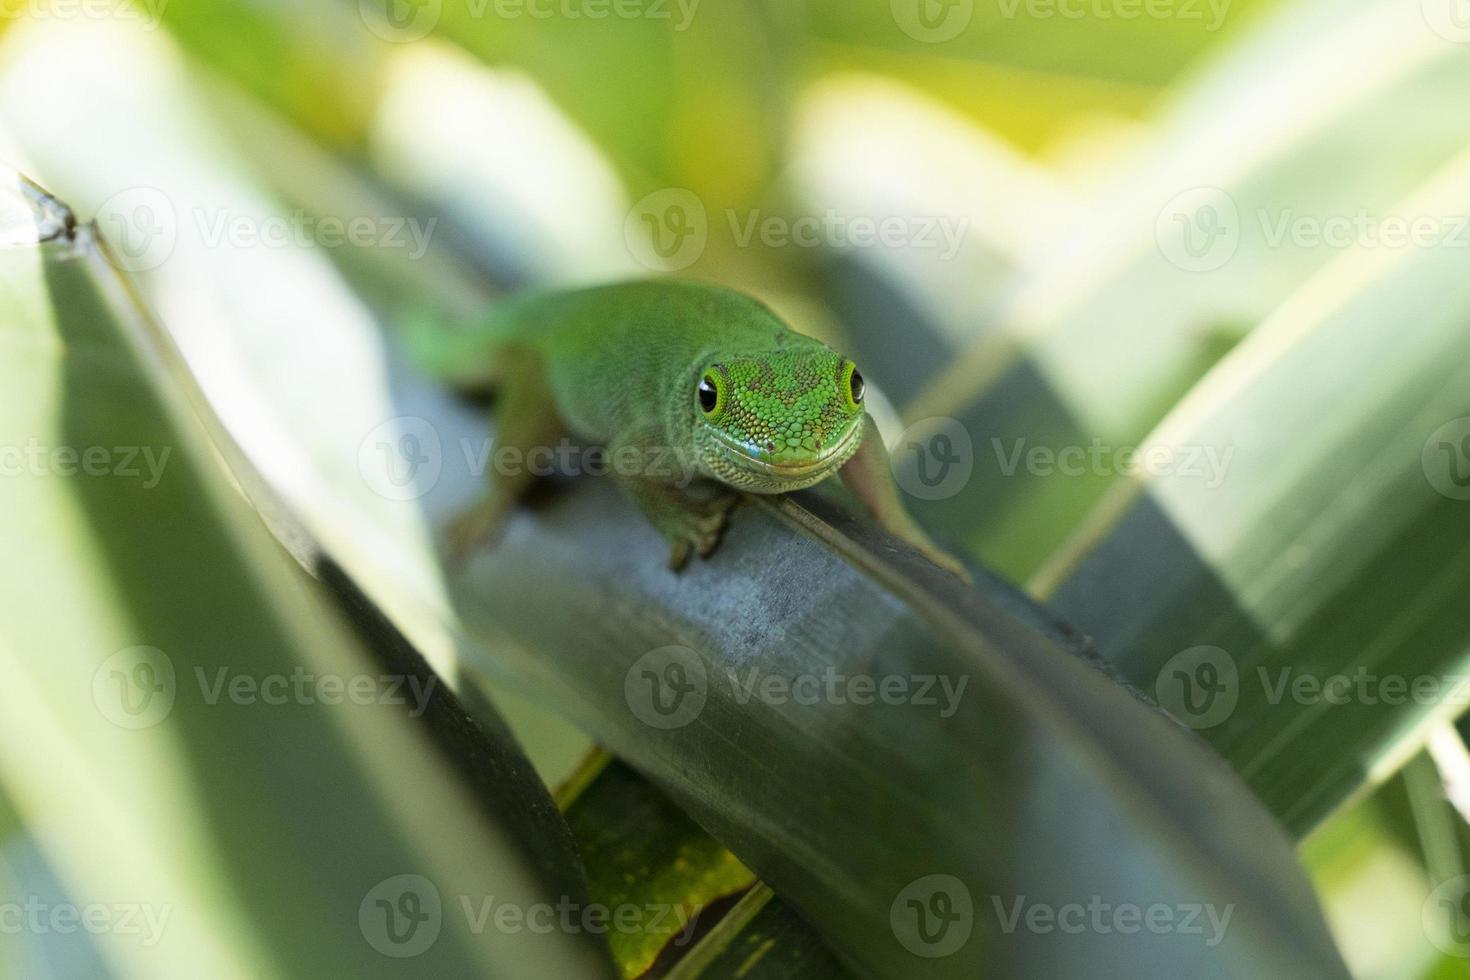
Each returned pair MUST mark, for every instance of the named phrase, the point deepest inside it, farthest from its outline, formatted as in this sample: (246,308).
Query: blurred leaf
(1023,66)
(968,208)
(1366,863)
(261,834)
(698,84)
(1094,343)
(651,866)
(765,940)
(319,63)
(297,373)
(1331,546)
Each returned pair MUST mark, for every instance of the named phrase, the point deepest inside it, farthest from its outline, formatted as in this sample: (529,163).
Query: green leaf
(655,871)
(761,939)
(1094,343)
(1330,551)
(1046,783)
(841,807)
(149,638)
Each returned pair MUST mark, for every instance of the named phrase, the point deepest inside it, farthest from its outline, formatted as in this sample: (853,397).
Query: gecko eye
(709,394)
(854,384)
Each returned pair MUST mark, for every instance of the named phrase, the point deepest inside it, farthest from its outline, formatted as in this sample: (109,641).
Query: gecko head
(775,421)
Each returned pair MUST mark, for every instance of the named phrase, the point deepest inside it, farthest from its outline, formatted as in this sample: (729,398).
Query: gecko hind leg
(525,419)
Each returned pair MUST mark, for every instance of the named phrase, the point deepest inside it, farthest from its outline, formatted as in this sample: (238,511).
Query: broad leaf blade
(265,828)
(841,807)
(1171,263)
(1330,554)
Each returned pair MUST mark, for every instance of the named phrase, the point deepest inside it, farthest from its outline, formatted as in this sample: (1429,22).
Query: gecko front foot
(691,518)
(697,533)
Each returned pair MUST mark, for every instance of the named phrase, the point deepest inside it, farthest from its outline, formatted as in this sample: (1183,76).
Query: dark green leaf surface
(1047,783)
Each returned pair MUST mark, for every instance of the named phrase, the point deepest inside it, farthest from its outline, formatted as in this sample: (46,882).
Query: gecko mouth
(791,471)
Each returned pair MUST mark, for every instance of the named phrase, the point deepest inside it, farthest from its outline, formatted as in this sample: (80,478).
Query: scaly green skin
(622,365)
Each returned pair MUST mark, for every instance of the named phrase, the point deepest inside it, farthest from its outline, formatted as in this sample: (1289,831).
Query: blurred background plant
(1224,239)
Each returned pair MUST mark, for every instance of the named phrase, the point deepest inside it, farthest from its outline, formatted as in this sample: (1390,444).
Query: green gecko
(696,392)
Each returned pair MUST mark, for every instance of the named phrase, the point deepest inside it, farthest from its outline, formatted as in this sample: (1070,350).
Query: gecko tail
(463,353)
